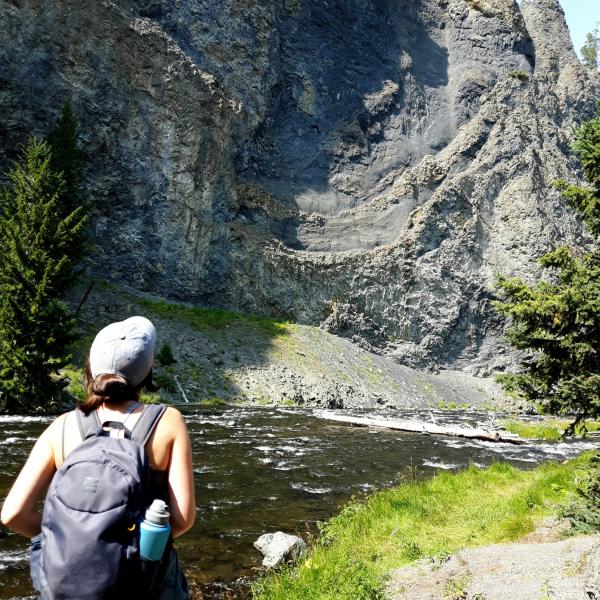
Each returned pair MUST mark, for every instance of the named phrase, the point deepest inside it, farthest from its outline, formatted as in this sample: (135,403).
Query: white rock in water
(279,547)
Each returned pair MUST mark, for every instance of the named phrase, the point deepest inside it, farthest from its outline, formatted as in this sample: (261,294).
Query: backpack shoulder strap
(89,425)
(147,421)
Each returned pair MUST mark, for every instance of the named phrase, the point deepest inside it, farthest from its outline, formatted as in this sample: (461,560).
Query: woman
(119,367)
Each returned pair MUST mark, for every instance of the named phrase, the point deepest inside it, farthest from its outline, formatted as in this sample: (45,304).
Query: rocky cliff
(368,165)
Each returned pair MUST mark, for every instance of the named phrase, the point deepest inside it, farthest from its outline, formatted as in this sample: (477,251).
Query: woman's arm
(20,511)
(181,477)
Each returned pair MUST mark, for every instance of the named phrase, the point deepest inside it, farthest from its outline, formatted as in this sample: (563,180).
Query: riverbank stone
(521,570)
(592,574)
(279,547)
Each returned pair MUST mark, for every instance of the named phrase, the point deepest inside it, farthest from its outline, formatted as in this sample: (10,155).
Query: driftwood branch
(181,389)
(423,427)
(85,297)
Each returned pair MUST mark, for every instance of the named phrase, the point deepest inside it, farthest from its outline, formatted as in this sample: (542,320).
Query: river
(263,469)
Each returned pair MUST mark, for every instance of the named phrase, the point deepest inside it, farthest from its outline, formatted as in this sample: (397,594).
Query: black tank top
(159,485)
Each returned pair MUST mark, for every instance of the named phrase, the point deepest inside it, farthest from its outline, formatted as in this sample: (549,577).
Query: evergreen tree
(66,159)
(558,321)
(589,51)
(37,239)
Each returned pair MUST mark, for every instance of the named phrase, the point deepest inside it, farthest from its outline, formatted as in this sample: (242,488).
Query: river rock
(279,547)
(592,574)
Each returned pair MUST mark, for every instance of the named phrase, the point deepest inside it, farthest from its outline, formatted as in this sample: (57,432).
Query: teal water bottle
(155,531)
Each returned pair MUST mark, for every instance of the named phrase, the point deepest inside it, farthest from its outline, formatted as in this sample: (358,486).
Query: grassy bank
(201,318)
(549,429)
(432,518)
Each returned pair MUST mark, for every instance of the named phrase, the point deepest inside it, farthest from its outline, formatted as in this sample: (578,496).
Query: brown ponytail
(108,388)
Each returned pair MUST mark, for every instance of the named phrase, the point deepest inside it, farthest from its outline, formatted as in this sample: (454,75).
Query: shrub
(165,355)
(584,514)
(519,76)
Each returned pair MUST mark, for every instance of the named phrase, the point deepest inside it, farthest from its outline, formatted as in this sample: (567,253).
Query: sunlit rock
(279,547)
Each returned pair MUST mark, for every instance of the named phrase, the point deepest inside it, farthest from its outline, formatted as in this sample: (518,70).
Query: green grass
(263,401)
(150,398)
(444,405)
(432,518)
(214,401)
(548,429)
(202,318)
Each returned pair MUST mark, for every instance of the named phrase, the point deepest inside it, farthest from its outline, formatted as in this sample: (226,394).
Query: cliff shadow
(354,88)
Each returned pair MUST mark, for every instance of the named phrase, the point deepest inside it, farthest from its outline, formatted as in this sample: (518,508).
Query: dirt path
(533,569)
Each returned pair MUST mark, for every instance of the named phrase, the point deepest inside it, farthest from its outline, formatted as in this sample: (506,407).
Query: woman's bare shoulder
(172,418)
(55,428)
(53,435)
(171,425)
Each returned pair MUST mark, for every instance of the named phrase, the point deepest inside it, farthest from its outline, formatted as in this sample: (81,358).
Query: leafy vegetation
(165,380)
(74,377)
(584,513)
(65,158)
(214,401)
(451,405)
(519,76)
(165,355)
(41,237)
(431,518)
(550,430)
(558,321)
(456,589)
(590,49)
(150,397)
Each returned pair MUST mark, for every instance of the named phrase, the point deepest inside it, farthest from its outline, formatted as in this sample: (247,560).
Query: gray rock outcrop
(365,165)
(279,547)
(592,574)
(527,571)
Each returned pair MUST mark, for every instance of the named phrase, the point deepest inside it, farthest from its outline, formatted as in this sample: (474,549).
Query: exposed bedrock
(370,165)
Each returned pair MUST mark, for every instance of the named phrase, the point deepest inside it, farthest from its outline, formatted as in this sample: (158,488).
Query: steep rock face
(368,165)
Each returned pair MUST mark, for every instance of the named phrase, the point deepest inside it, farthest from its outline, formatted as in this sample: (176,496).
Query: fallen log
(180,388)
(423,427)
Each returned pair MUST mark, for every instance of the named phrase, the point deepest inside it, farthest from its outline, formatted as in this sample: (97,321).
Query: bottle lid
(158,513)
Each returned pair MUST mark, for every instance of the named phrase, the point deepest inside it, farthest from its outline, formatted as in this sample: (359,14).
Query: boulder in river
(279,547)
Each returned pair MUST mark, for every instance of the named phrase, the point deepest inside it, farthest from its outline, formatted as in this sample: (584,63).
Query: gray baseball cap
(125,348)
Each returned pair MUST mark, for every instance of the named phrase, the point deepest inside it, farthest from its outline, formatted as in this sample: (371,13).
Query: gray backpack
(89,544)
